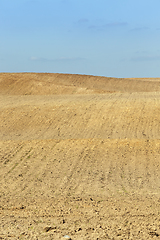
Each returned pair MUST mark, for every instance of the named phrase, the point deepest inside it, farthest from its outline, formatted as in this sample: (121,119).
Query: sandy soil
(79,156)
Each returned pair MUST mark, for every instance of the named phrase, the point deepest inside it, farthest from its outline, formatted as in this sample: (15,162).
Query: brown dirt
(79,156)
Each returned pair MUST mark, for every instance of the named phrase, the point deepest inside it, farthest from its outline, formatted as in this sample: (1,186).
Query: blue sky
(113,38)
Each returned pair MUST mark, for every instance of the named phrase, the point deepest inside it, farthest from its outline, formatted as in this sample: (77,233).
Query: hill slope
(52,83)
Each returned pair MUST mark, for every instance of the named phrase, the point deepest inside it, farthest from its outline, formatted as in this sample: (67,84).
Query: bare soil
(79,156)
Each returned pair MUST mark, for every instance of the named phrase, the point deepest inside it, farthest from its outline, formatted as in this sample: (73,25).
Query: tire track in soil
(93,117)
(74,166)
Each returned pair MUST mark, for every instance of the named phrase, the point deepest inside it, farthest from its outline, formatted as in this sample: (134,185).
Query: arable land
(79,156)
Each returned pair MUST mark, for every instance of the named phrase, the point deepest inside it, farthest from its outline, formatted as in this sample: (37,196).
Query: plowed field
(79,156)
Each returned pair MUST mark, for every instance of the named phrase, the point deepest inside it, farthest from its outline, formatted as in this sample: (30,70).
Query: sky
(112,38)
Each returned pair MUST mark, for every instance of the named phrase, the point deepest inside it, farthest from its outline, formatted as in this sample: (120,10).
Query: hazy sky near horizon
(98,37)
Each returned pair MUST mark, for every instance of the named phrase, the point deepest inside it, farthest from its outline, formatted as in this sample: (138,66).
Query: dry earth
(79,156)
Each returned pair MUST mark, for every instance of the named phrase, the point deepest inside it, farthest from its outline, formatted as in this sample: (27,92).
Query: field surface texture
(79,156)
